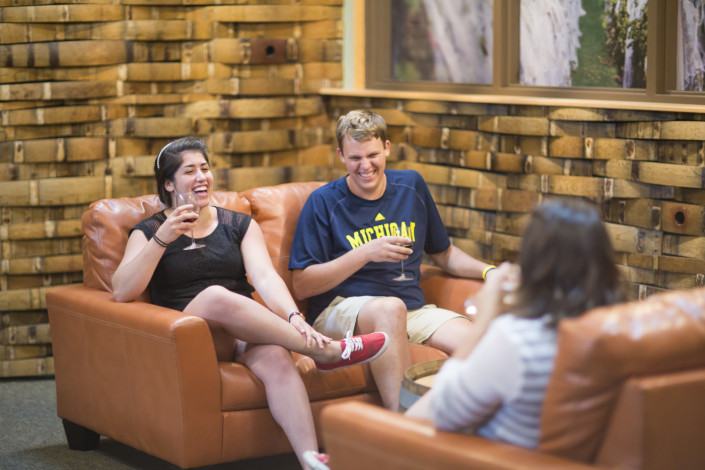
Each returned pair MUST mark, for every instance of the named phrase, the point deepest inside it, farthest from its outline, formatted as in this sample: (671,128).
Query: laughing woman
(212,282)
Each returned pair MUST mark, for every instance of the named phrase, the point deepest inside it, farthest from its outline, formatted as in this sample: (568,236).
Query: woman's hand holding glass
(497,295)
(179,222)
(190,216)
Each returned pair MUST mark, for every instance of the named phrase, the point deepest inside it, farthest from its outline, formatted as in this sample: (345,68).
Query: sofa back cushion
(276,209)
(107,222)
(599,351)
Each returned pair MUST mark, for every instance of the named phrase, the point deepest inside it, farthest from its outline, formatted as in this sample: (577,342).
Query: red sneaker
(316,460)
(357,350)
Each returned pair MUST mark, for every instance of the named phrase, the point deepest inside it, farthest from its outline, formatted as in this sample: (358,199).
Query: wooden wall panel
(91,90)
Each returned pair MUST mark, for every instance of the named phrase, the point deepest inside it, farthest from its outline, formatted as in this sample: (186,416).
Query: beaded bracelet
(159,241)
(293,314)
(488,269)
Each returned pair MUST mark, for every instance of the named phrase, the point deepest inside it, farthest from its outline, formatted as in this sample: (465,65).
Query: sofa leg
(80,438)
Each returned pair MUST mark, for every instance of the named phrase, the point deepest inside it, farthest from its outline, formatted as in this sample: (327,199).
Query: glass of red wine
(189,198)
(403,276)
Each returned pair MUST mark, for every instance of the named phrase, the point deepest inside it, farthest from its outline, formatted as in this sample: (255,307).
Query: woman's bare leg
(286,394)
(245,319)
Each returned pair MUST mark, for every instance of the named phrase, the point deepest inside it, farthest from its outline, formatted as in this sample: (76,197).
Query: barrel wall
(90,91)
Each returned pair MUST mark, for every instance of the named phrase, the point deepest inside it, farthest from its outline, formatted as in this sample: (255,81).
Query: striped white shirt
(497,391)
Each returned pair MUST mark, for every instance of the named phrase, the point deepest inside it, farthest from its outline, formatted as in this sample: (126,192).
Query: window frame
(660,74)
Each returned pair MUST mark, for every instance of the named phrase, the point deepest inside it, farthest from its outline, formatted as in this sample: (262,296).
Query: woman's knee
(217,294)
(217,299)
(271,361)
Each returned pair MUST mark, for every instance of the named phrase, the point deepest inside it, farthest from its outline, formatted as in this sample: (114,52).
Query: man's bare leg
(451,335)
(387,314)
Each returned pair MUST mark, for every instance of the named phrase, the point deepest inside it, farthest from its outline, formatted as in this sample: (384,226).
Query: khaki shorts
(341,316)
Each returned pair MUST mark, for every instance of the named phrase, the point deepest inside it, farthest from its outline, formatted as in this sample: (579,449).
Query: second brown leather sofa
(627,392)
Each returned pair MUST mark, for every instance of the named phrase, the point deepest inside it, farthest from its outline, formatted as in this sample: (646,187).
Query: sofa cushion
(107,222)
(600,350)
(240,390)
(276,209)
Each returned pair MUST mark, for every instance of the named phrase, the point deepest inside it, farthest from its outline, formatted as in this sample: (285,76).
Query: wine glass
(470,307)
(510,285)
(189,198)
(403,276)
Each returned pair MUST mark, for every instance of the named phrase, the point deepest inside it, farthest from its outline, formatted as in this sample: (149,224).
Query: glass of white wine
(183,199)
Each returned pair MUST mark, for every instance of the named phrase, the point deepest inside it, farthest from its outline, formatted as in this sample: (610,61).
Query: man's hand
(388,249)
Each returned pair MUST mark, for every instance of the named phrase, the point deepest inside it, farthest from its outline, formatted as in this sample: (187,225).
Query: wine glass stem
(192,240)
(402,268)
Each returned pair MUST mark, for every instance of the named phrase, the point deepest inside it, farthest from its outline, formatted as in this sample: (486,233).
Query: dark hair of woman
(567,262)
(169,160)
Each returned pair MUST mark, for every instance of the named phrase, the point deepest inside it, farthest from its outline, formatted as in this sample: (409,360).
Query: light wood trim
(359,42)
(516,100)
(671,42)
(656,53)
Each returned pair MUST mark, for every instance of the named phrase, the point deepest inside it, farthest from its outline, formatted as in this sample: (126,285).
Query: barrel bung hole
(679,218)
(270,50)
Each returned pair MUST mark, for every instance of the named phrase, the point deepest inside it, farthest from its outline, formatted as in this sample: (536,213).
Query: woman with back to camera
(495,385)
(210,282)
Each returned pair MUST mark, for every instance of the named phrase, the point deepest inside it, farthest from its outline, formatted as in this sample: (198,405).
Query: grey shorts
(341,316)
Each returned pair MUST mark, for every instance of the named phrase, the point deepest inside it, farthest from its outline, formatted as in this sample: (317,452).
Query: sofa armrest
(447,291)
(358,435)
(141,374)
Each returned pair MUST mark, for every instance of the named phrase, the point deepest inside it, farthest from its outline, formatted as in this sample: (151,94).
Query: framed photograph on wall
(690,63)
(442,40)
(583,43)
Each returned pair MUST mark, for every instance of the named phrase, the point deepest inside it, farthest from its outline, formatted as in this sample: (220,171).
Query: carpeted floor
(32,438)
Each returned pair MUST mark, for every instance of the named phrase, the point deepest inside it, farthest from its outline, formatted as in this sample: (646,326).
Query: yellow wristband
(486,270)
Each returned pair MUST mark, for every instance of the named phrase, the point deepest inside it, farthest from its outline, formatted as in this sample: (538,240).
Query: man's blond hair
(360,125)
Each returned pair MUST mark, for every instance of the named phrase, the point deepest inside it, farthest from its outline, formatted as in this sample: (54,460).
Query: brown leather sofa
(148,377)
(627,392)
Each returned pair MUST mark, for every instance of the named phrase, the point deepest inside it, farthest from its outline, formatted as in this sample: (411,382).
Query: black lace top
(181,275)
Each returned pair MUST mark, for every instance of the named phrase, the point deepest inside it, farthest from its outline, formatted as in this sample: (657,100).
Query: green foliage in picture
(622,34)
(595,66)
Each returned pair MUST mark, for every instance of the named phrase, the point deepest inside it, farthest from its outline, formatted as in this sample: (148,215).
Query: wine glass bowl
(187,198)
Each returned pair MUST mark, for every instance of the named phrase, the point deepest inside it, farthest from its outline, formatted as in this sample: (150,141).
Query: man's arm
(456,262)
(319,278)
(452,260)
